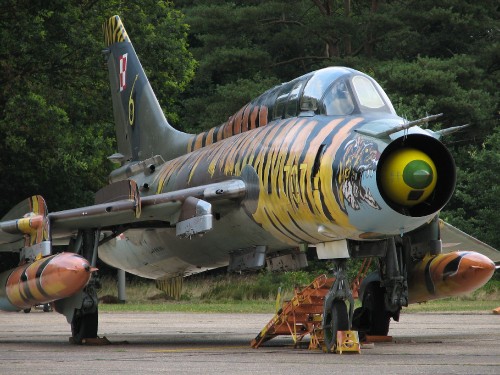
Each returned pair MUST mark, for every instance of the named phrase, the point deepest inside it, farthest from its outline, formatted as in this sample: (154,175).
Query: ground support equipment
(302,316)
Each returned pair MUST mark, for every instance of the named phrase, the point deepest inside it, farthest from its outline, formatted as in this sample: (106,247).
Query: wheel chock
(372,338)
(347,341)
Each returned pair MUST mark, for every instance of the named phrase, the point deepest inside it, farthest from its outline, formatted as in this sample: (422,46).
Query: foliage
(431,57)
(56,120)
(225,99)
(475,206)
(431,85)
(265,286)
(257,293)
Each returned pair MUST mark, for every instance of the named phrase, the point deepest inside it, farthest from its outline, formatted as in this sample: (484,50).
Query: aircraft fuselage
(310,180)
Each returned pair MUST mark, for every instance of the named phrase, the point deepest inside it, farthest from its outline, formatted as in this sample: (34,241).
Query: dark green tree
(56,119)
(56,122)
(476,204)
(431,57)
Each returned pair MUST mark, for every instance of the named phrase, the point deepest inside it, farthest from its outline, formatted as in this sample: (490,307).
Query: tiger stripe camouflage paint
(294,195)
(30,219)
(172,287)
(44,280)
(114,32)
(247,118)
(39,224)
(448,275)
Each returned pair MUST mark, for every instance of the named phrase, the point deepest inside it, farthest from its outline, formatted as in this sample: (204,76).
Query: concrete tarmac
(186,343)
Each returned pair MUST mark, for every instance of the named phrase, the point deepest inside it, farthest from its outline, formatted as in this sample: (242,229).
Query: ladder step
(300,316)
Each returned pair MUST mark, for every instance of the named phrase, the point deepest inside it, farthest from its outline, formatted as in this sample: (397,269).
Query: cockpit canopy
(333,91)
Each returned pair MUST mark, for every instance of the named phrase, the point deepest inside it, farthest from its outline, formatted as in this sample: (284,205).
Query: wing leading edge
(120,204)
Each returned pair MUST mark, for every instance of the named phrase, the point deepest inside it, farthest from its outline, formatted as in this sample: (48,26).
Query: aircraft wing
(120,204)
(454,239)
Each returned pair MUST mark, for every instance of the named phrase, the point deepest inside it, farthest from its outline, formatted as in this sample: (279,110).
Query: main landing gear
(84,323)
(372,318)
(383,293)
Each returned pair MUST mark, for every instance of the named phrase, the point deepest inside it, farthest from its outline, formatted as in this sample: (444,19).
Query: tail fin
(142,130)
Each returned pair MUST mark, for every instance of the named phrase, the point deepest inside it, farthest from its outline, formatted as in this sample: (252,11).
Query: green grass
(256,293)
(454,305)
(192,307)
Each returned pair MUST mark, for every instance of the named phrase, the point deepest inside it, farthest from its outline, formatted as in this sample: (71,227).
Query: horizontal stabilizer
(454,239)
(27,226)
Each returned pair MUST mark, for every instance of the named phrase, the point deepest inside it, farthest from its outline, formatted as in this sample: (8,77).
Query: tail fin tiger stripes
(142,130)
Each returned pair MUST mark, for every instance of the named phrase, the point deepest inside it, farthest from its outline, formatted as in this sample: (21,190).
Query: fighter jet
(321,162)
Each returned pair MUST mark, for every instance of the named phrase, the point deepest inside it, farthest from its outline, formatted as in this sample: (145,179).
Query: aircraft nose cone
(418,174)
(473,270)
(479,265)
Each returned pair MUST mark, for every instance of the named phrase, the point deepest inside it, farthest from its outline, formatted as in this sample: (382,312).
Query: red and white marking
(123,71)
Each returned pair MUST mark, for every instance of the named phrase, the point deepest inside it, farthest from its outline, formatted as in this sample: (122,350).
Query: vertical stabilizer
(142,130)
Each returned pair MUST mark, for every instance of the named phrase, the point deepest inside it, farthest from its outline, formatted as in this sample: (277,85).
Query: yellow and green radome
(408,176)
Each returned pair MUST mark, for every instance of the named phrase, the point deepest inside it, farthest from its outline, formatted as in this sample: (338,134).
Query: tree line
(207,58)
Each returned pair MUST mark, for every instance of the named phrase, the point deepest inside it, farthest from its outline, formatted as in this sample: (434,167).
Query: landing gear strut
(385,292)
(335,315)
(85,318)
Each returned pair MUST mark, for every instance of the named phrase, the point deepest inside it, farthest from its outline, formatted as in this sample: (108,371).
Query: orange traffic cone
(496,311)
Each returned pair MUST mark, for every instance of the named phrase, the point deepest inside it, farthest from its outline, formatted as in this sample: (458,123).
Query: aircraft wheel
(340,318)
(361,319)
(84,326)
(373,304)
(337,320)
(27,311)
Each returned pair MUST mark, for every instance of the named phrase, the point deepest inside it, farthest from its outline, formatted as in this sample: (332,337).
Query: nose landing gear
(337,319)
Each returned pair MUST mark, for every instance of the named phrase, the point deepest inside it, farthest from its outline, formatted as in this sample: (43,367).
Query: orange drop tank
(47,279)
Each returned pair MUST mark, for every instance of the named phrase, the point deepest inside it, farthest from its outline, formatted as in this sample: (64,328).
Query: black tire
(373,304)
(27,311)
(84,326)
(361,319)
(340,317)
(336,320)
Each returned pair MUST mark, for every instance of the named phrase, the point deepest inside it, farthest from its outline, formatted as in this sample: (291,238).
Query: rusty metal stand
(304,315)
(301,316)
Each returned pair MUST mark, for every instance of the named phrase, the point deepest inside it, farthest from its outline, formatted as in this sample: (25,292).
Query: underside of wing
(454,239)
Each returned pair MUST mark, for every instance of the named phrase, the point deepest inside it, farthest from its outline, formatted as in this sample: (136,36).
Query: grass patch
(257,293)
(209,289)
(453,305)
(230,307)
(485,298)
